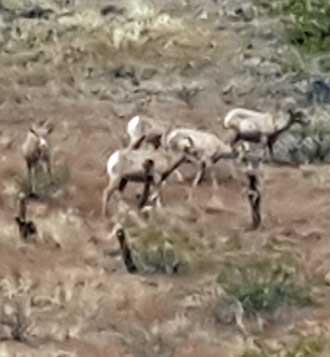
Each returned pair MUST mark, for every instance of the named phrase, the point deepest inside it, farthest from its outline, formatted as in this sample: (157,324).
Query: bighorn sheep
(138,166)
(205,150)
(143,125)
(261,127)
(143,129)
(36,151)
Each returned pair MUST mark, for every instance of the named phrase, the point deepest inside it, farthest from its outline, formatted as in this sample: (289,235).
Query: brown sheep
(36,151)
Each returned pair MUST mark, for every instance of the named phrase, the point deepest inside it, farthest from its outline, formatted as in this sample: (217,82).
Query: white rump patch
(132,126)
(112,162)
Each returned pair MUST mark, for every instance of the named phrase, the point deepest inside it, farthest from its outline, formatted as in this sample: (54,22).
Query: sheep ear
(32,129)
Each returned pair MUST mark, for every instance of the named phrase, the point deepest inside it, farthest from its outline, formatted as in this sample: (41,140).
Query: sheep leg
(264,142)
(49,170)
(107,193)
(148,181)
(254,199)
(159,196)
(200,174)
(126,252)
(215,184)
(172,168)
(156,198)
(179,176)
(270,145)
(198,178)
(31,176)
(234,142)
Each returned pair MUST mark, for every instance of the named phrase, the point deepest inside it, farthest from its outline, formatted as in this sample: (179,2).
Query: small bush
(160,251)
(263,284)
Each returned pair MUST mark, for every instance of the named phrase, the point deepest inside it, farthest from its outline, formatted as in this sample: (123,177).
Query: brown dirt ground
(91,306)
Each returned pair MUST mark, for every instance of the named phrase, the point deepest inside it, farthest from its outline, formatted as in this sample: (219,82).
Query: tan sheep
(205,150)
(262,127)
(144,166)
(36,151)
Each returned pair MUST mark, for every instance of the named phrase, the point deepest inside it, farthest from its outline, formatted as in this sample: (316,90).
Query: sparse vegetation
(312,346)
(15,317)
(44,186)
(265,283)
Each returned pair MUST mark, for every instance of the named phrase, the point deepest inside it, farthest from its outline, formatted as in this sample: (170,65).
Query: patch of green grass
(263,283)
(44,187)
(307,24)
(308,347)
(162,250)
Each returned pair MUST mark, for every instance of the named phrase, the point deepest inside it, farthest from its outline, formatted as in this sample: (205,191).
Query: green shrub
(161,250)
(308,26)
(263,284)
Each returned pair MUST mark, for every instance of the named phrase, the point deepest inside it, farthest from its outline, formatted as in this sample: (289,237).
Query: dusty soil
(70,287)
(81,298)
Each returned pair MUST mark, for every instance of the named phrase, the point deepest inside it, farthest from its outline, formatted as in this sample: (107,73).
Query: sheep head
(42,130)
(299,116)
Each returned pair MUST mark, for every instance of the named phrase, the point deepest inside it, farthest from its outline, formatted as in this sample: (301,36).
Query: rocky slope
(212,56)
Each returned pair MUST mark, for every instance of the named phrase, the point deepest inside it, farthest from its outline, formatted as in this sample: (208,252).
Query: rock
(228,311)
(246,11)
(239,86)
(319,92)
(301,86)
(308,150)
(228,88)
(147,73)
(323,141)
(241,11)
(272,345)
(285,148)
(252,61)
(246,86)
(36,12)
(111,9)
(268,68)
(323,64)
(214,205)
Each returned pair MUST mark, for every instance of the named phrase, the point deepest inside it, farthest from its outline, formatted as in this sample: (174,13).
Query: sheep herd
(157,149)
